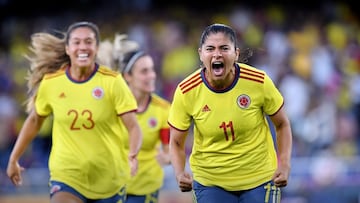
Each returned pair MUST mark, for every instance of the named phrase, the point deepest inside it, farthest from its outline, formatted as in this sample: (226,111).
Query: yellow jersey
(88,136)
(154,126)
(232,146)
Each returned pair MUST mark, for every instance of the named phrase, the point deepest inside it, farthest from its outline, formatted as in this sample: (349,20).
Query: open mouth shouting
(218,68)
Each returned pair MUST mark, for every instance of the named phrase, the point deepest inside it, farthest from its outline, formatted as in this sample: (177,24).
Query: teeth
(83,55)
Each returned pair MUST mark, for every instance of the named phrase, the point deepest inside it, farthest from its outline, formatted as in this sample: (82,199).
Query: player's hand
(162,157)
(184,181)
(14,171)
(281,175)
(133,165)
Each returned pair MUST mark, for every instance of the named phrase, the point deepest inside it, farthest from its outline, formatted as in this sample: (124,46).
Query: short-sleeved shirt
(88,136)
(233,146)
(153,123)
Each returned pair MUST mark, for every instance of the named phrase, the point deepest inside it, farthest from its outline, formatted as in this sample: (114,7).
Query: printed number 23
(89,124)
(224,126)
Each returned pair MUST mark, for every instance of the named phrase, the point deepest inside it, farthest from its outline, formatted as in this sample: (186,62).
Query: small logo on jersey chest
(152,122)
(206,108)
(98,93)
(62,95)
(243,101)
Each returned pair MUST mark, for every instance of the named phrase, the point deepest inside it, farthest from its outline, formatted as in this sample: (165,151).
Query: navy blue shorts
(149,198)
(265,193)
(56,186)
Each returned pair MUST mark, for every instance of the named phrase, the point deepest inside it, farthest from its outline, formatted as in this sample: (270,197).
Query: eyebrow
(78,38)
(225,45)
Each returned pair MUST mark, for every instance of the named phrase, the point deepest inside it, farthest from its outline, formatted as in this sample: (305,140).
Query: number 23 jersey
(88,135)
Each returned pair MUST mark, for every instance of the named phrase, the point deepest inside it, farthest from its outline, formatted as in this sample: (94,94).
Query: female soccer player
(93,111)
(138,70)
(233,158)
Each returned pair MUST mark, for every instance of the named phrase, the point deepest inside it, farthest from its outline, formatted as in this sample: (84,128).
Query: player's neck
(142,101)
(220,84)
(80,73)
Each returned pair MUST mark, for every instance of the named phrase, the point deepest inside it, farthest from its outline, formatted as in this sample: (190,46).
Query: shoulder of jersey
(107,71)
(191,82)
(251,73)
(157,100)
(55,74)
(102,70)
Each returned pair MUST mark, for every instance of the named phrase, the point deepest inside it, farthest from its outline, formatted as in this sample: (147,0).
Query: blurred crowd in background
(311,53)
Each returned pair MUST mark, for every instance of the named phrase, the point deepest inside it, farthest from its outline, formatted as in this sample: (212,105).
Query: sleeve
(165,135)
(165,128)
(178,115)
(273,100)
(123,98)
(42,105)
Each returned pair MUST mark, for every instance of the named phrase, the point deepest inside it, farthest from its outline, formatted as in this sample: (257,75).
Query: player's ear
(200,55)
(237,52)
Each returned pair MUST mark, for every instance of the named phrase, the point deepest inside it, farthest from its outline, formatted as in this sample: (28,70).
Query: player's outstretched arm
(178,159)
(27,133)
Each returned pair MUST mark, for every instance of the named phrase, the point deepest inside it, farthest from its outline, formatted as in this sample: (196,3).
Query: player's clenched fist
(184,181)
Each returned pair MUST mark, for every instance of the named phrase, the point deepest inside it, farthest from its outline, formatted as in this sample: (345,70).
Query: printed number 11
(229,125)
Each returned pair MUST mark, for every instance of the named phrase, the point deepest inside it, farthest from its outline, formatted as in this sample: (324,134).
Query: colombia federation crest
(243,101)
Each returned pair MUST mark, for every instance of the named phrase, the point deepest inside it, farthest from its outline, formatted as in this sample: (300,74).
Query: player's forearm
(177,157)
(283,136)
(135,140)
(284,144)
(27,133)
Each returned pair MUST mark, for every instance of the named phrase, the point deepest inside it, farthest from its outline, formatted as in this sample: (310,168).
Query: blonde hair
(113,54)
(47,55)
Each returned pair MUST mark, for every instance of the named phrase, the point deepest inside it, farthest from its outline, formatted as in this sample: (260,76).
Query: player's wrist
(132,155)
(169,160)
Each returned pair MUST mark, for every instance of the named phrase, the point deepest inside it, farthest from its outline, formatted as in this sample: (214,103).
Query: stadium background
(310,49)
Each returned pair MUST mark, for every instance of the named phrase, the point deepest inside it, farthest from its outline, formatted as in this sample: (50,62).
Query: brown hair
(47,55)
(230,32)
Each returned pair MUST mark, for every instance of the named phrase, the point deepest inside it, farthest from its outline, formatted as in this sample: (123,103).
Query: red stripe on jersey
(253,79)
(190,83)
(257,72)
(107,72)
(253,75)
